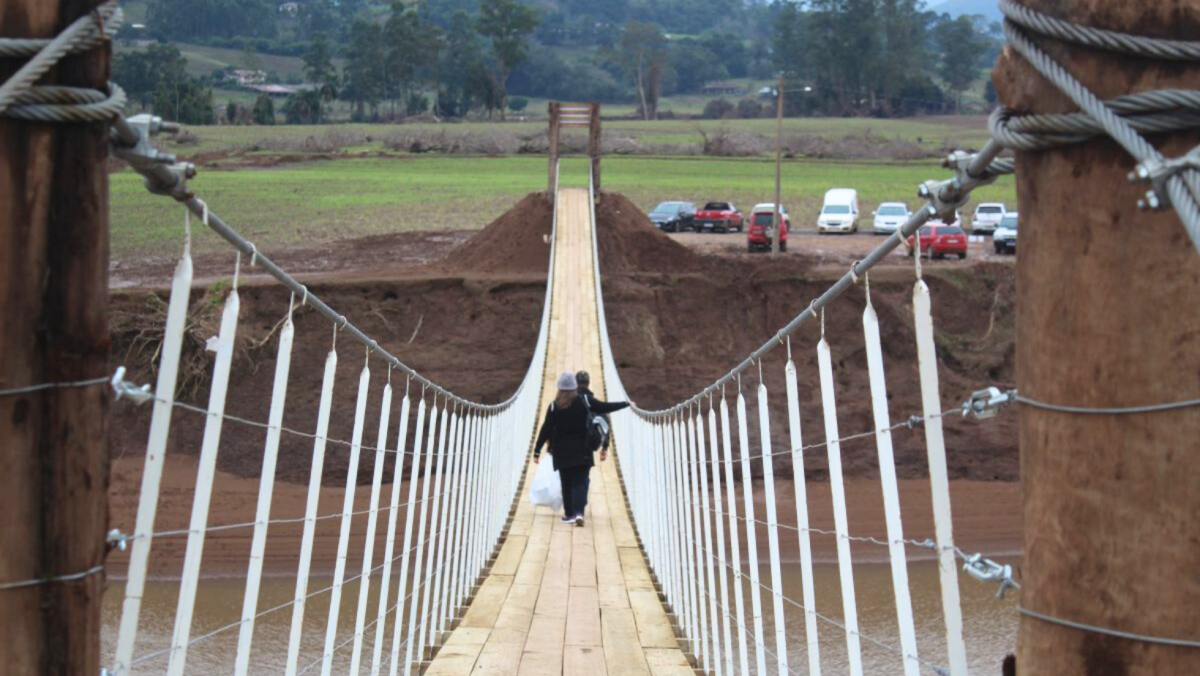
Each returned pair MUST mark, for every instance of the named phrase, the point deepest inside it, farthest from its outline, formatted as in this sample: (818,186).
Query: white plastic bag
(547,487)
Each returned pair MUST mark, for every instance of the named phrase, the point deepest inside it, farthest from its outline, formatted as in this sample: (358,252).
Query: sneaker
(567,519)
(579,522)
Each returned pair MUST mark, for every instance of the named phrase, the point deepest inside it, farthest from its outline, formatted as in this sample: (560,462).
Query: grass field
(325,201)
(930,133)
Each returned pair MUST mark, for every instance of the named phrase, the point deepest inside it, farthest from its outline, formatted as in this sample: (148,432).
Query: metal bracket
(987,570)
(139,395)
(117,540)
(1157,172)
(987,403)
(946,197)
(164,174)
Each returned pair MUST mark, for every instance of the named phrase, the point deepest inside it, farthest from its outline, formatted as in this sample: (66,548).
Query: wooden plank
(668,663)
(510,555)
(654,629)
(583,661)
(633,567)
(455,660)
(583,617)
(583,558)
(499,659)
(622,648)
(486,606)
(517,612)
(469,636)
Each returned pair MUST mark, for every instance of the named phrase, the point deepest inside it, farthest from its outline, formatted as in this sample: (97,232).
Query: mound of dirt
(629,242)
(517,242)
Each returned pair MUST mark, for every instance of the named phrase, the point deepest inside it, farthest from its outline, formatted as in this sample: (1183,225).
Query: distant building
(278,91)
(723,89)
(289,8)
(246,77)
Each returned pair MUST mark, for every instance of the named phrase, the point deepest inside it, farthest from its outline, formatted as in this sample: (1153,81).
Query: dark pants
(574,489)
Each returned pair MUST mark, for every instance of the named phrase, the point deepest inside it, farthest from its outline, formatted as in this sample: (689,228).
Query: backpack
(597,427)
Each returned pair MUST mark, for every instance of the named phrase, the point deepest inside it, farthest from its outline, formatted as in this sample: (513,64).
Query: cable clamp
(144,158)
(1156,172)
(117,540)
(138,395)
(948,196)
(987,403)
(987,570)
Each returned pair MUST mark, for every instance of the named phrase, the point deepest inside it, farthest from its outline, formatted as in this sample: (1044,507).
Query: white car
(1005,237)
(890,216)
(987,216)
(839,213)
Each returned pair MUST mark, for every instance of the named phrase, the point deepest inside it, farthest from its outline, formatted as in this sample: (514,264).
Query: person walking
(584,380)
(565,429)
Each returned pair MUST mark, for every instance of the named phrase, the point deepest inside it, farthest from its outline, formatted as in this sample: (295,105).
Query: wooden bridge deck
(562,600)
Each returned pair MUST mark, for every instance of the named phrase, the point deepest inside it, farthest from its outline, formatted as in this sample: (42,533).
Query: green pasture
(325,201)
(930,133)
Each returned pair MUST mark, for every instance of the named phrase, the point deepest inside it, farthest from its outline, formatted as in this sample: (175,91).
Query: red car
(762,223)
(718,217)
(939,239)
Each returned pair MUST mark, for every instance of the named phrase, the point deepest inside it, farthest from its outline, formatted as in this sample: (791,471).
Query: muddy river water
(990,625)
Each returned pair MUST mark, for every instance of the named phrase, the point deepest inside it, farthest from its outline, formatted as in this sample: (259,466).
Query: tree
(641,53)
(508,25)
(960,46)
(231,112)
(304,107)
(264,110)
(363,75)
(318,64)
(462,81)
(718,109)
(201,19)
(185,100)
(412,46)
(694,65)
(140,72)
(518,104)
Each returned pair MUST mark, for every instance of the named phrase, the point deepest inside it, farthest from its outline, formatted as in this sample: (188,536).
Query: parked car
(674,216)
(889,216)
(987,216)
(839,213)
(718,217)
(939,239)
(759,235)
(1005,237)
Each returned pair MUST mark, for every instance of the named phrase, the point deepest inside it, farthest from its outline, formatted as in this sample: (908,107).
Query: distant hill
(988,8)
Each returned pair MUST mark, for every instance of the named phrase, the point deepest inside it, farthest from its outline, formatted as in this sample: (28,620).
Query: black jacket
(566,431)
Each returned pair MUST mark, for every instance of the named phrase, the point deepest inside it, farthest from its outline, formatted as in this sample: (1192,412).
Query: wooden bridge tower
(580,115)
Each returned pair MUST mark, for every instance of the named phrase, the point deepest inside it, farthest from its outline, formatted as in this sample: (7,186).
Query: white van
(840,211)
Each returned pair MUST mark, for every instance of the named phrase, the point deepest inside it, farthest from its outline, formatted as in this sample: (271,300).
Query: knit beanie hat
(567,382)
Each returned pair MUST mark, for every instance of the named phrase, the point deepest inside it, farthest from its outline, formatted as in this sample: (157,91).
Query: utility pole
(778,168)
(1106,299)
(54,305)
(554,110)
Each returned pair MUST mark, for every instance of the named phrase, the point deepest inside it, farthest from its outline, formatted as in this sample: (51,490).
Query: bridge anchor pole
(1106,318)
(54,329)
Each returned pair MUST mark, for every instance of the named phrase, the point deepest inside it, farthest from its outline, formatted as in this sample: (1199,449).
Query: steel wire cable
(234,625)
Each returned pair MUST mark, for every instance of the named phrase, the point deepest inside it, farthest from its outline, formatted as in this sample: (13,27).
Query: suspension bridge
(450,569)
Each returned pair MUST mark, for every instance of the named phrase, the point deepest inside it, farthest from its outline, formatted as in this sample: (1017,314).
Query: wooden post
(53,301)
(1106,318)
(594,144)
(552,146)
